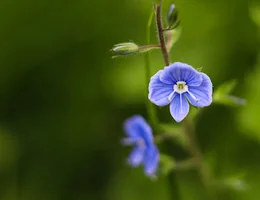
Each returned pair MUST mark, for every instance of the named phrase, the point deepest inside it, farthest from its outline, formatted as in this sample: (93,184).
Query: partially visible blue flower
(177,84)
(139,134)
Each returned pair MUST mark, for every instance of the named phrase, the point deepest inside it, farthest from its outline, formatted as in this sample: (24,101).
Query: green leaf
(222,95)
(254,13)
(226,87)
(167,164)
(170,128)
(199,69)
(172,37)
(171,131)
(235,182)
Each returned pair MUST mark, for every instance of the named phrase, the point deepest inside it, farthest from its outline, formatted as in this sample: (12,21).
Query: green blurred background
(63,99)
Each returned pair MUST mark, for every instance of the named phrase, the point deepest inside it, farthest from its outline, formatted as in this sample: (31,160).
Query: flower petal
(136,157)
(203,93)
(181,72)
(159,91)
(179,107)
(151,160)
(137,128)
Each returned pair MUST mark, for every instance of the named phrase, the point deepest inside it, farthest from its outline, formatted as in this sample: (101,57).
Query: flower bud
(125,48)
(173,17)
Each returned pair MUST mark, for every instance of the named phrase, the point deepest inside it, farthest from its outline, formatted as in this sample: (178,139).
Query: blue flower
(177,84)
(139,134)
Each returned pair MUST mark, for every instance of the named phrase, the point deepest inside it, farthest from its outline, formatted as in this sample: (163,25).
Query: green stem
(150,46)
(174,186)
(150,107)
(147,48)
(195,152)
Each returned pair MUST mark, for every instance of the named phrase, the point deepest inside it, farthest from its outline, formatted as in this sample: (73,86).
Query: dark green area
(63,99)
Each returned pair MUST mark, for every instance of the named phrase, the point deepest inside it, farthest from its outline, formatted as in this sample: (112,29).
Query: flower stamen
(170,97)
(181,103)
(192,95)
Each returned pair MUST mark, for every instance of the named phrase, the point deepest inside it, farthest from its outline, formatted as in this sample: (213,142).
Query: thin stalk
(156,46)
(174,186)
(149,106)
(195,152)
(148,48)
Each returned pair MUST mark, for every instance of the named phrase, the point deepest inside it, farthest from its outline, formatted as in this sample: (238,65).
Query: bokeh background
(63,99)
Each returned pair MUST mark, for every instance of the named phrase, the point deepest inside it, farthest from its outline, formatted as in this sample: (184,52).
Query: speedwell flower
(139,134)
(177,84)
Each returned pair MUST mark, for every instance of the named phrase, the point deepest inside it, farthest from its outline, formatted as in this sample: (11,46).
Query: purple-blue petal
(159,91)
(180,72)
(203,93)
(136,157)
(140,136)
(151,161)
(137,129)
(179,107)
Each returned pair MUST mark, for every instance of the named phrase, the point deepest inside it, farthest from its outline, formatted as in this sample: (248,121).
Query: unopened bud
(173,17)
(126,48)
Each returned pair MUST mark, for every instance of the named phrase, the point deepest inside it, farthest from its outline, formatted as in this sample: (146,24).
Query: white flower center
(180,87)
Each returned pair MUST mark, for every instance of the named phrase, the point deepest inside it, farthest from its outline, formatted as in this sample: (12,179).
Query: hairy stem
(160,31)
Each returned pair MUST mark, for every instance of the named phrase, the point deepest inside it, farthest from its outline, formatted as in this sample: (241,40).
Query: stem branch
(155,46)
